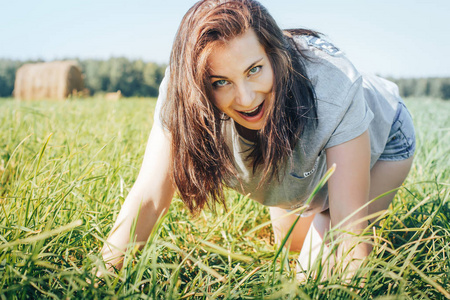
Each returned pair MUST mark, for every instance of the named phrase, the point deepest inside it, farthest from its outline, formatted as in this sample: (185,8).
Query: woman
(267,112)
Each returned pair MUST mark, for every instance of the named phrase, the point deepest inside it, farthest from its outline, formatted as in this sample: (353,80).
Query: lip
(254,118)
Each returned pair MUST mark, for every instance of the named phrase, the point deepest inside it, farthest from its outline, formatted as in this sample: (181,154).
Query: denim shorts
(401,143)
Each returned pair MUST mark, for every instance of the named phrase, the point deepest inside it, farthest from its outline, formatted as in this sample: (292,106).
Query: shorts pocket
(401,142)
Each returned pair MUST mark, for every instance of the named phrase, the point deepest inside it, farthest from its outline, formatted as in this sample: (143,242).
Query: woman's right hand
(150,195)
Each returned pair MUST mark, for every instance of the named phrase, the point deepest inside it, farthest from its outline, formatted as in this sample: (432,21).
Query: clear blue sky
(401,38)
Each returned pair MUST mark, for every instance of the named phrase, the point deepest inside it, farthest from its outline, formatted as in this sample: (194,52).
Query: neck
(246,133)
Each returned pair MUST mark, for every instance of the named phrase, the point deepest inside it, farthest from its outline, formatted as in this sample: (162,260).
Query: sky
(398,38)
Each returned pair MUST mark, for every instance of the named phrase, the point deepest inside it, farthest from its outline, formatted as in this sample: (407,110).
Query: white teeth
(253,110)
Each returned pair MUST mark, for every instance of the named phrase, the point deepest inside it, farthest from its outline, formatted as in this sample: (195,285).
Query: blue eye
(220,83)
(254,70)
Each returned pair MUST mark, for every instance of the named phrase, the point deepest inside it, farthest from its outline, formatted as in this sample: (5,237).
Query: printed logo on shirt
(307,174)
(323,45)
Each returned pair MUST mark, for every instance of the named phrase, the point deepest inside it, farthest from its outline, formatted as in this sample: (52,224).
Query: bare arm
(152,192)
(349,191)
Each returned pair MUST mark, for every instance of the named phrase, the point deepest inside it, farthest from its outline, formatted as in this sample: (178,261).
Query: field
(65,168)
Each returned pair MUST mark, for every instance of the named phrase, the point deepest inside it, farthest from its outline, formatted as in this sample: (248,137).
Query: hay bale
(113,96)
(52,80)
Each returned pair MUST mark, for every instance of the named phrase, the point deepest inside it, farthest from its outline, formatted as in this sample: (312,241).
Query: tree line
(142,79)
(435,87)
(132,77)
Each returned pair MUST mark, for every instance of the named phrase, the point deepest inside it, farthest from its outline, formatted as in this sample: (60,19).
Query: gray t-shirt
(348,104)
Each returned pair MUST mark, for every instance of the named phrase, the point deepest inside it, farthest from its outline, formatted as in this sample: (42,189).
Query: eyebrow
(245,71)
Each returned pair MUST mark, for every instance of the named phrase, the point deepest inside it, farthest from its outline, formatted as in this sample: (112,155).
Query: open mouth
(253,112)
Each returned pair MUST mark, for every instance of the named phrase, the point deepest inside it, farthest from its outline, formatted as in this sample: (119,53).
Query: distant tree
(406,87)
(153,75)
(132,78)
(421,87)
(7,76)
(435,88)
(445,89)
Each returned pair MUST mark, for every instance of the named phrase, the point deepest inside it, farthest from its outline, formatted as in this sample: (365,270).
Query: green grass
(65,168)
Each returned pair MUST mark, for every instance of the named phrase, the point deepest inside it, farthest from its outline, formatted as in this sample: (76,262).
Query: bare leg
(314,240)
(282,225)
(386,176)
(307,236)
(309,232)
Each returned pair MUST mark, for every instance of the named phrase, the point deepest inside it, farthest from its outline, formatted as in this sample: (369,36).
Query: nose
(245,95)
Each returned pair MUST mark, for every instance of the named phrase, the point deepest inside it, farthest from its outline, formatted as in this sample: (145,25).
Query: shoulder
(318,43)
(332,75)
(342,111)
(162,99)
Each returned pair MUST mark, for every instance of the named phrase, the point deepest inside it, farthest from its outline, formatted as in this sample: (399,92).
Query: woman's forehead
(239,52)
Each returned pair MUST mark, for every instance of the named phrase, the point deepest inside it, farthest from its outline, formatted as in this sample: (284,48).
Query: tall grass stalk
(65,168)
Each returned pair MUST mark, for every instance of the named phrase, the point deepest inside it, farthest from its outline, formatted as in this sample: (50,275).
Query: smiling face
(242,79)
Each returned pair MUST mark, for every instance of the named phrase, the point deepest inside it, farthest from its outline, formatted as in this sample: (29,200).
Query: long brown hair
(202,162)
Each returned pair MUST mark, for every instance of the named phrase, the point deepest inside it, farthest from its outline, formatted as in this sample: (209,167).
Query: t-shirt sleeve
(355,119)
(162,97)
